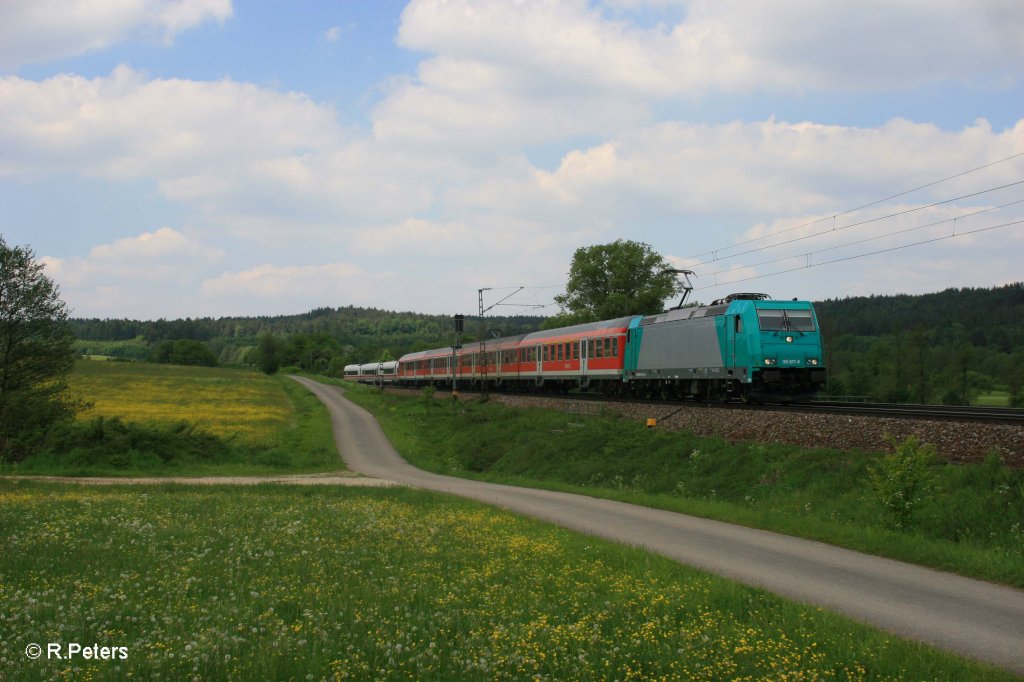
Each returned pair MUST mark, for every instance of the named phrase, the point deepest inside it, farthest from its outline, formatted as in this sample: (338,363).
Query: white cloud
(159,245)
(500,74)
(275,287)
(151,257)
(124,126)
(42,30)
(776,168)
(725,44)
(151,271)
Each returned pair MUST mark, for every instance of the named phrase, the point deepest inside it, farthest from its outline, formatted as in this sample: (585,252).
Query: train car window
(607,347)
(600,348)
(615,347)
(560,351)
(575,351)
(739,324)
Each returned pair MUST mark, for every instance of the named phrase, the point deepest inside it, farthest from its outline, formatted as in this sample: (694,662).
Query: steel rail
(971,413)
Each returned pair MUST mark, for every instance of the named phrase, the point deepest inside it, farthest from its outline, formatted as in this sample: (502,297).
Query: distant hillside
(946,347)
(361,334)
(982,317)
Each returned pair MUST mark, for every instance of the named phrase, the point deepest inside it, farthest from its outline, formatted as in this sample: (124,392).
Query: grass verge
(967,519)
(315,583)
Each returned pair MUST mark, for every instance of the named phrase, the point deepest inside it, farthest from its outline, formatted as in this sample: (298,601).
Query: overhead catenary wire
(833,217)
(859,223)
(865,240)
(860,255)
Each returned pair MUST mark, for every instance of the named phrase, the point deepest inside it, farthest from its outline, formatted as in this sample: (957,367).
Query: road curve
(972,618)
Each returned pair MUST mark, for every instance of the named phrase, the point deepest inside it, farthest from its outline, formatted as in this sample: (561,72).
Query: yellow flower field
(226,402)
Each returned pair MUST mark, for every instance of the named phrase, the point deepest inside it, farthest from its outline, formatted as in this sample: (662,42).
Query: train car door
(583,360)
(732,323)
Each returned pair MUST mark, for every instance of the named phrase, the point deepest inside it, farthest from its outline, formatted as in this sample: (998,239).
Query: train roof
(588,329)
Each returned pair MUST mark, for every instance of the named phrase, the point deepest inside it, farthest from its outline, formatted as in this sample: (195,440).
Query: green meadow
(156,420)
(291,583)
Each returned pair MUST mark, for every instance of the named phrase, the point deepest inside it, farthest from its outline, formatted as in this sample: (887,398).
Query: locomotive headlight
(789,339)
(769,361)
(813,361)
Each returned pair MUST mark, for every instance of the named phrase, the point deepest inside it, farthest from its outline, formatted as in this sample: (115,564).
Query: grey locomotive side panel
(678,345)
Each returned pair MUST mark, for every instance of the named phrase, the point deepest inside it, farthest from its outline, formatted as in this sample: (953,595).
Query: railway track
(990,415)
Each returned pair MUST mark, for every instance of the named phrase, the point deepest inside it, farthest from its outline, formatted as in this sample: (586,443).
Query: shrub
(903,479)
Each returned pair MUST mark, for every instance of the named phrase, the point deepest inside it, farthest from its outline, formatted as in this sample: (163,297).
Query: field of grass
(968,519)
(993,399)
(317,583)
(149,419)
(234,403)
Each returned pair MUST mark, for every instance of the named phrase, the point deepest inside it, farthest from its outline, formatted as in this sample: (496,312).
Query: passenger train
(744,346)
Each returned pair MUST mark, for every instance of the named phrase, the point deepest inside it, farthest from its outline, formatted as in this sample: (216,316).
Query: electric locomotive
(743,346)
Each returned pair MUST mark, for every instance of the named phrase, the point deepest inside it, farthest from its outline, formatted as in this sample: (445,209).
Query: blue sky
(171,158)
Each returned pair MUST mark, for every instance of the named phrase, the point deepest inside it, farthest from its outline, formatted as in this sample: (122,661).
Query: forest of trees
(947,347)
(322,340)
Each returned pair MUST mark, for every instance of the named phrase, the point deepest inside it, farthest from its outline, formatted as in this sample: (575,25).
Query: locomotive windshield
(785,320)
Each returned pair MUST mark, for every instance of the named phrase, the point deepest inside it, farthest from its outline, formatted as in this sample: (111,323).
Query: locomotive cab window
(800,320)
(785,320)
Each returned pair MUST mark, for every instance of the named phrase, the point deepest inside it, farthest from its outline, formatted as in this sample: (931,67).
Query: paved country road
(972,618)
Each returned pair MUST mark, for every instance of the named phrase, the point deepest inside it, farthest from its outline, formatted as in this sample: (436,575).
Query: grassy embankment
(158,420)
(968,519)
(281,582)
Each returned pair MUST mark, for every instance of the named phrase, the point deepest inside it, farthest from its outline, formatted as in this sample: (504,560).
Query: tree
(613,280)
(267,355)
(36,352)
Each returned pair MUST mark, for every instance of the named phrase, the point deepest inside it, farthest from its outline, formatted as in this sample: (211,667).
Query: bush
(903,479)
(116,444)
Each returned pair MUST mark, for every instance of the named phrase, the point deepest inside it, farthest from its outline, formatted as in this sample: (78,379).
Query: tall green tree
(36,352)
(267,355)
(613,280)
